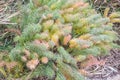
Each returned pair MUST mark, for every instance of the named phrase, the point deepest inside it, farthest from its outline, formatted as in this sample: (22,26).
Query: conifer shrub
(55,35)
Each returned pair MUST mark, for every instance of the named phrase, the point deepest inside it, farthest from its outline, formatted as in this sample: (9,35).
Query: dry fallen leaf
(102,62)
(83,72)
(91,60)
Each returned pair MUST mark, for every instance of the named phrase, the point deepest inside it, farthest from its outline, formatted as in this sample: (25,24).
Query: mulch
(108,71)
(116,27)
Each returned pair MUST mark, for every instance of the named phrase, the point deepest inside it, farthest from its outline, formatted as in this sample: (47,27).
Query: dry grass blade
(7,11)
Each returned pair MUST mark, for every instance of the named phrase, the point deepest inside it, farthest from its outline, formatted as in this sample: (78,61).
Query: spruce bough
(54,33)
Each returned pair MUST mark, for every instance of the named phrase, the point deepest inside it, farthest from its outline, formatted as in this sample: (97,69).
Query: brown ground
(111,69)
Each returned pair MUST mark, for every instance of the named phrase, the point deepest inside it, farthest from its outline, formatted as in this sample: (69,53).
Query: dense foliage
(55,34)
